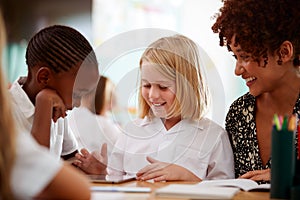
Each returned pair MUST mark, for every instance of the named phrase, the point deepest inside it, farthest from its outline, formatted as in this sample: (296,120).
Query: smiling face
(157,90)
(259,78)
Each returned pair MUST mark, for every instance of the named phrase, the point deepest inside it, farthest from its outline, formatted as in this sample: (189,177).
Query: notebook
(196,192)
(243,184)
(110,178)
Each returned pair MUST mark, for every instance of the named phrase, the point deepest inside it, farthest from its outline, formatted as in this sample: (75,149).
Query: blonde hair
(177,57)
(7,139)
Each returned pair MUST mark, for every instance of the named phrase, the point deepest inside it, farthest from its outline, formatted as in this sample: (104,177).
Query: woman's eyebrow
(239,50)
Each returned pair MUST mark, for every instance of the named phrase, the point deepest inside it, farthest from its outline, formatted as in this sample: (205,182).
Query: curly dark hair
(259,26)
(60,48)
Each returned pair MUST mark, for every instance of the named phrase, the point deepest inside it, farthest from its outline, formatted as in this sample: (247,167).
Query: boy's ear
(286,51)
(43,75)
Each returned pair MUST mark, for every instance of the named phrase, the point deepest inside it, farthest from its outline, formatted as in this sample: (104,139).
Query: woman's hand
(161,171)
(258,175)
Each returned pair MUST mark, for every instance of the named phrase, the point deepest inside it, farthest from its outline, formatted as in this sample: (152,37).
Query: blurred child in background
(91,123)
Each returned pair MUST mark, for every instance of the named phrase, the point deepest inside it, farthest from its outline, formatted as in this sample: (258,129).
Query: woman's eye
(245,57)
(242,57)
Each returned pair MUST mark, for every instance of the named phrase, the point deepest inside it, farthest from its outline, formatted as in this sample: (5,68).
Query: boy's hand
(48,98)
(48,106)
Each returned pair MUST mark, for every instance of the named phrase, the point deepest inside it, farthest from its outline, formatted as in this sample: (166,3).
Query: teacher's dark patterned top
(241,127)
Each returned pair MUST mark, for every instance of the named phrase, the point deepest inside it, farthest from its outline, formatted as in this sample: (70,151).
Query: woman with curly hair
(264,37)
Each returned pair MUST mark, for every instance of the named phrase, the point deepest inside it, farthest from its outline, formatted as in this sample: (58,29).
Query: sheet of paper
(120,189)
(119,196)
(196,192)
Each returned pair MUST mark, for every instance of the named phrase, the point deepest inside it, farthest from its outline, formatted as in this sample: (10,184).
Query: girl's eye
(163,87)
(146,85)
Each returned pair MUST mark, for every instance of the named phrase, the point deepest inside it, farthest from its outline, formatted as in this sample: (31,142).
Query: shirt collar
(199,124)
(21,100)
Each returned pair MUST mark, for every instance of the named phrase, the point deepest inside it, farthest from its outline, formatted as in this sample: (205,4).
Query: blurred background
(102,20)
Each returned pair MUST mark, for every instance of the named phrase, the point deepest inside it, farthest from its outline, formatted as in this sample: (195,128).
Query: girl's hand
(258,175)
(92,163)
(161,171)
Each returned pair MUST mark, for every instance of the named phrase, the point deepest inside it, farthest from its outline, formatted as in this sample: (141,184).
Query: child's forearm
(189,176)
(42,121)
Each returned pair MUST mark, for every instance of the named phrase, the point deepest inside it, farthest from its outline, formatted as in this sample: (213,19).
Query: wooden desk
(151,196)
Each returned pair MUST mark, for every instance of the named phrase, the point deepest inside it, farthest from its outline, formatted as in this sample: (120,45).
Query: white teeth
(250,79)
(157,104)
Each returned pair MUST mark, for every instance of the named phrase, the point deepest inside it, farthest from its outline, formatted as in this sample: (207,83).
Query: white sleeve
(221,164)
(69,140)
(34,167)
(115,161)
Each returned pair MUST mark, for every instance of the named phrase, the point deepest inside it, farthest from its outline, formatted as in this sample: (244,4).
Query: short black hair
(60,48)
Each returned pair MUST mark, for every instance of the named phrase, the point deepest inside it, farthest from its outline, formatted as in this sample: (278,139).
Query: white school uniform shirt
(92,130)
(202,147)
(34,167)
(62,140)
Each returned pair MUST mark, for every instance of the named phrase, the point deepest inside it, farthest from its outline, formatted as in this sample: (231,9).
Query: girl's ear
(43,76)
(286,51)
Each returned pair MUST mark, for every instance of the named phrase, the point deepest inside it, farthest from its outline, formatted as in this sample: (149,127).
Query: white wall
(192,18)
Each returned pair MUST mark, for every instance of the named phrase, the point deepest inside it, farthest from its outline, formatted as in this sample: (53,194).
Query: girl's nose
(153,92)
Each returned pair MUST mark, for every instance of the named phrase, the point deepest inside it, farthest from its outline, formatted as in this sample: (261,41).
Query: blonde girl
(172,140)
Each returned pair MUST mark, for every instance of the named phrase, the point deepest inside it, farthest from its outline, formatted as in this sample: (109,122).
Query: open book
(243,184)
(188,191)
(211,189)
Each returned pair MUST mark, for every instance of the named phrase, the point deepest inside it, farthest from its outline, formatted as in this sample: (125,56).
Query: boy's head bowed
(59,48)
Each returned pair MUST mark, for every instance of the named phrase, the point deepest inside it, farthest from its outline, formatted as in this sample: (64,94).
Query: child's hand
(92,163)
(48,98)
(48,106)
(161,171)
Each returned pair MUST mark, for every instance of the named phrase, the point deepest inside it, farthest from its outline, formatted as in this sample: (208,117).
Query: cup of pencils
(283,156)
(295,191)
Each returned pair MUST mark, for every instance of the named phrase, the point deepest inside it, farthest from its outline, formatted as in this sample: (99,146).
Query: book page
(196,192)
(244,184)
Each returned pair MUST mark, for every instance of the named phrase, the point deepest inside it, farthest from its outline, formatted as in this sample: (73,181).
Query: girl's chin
(160,114)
